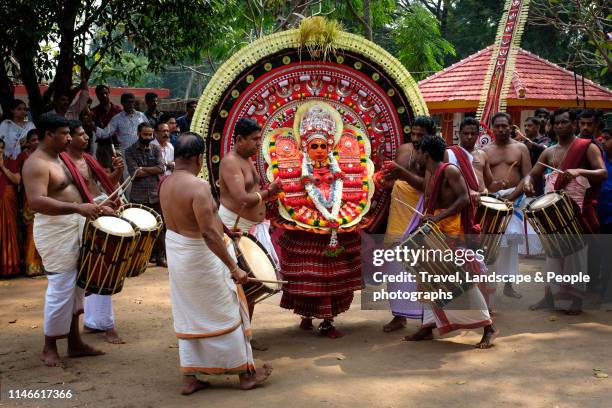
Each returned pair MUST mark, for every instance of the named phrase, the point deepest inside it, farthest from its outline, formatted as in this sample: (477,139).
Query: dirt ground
(542,359)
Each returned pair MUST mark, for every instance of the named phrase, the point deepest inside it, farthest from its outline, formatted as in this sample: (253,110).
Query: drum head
(493,203)
(545,201)
(114,226)
(258,260)
(141,217)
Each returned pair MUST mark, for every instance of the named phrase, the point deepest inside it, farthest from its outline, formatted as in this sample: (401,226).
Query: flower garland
(295,206)
(322,204)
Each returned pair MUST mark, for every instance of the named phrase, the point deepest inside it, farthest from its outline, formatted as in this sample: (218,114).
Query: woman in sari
(9,180)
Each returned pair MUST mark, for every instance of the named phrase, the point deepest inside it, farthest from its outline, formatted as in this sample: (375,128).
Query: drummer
(510,162)
(60,214)
(242,199)
(210,314)
(401,216)
(447,205)
(580,167)
(99,317)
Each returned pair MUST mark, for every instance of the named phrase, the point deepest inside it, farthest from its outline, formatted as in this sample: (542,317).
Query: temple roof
(534,78)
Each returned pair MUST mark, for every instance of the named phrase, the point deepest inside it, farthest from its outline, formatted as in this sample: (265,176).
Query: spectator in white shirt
(124,123)
(14,130)
(162,139)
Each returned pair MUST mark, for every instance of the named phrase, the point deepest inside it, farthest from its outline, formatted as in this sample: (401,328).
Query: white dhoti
(468,311)
(58,240)
(260,230)
(99,312)
(518,237)
(99,308)
(568,265)
(211,318)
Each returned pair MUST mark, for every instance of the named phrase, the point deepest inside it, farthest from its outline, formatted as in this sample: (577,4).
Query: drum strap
(574,156)
(97,170)
(79,181)
(99,173)
(465,165)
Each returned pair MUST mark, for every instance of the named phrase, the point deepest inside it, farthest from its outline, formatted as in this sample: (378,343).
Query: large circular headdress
(270,78)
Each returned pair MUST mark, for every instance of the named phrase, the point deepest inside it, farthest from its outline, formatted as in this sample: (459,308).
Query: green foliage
(472,26)
(127,37)
(421,47)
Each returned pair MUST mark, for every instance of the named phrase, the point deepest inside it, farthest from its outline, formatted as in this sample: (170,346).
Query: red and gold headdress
(317,119)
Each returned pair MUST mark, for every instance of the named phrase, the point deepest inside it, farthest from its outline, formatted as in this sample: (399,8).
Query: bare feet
(306,323)
(83,350)
(327,329)
(255,345)
(397,323)
(111,336)
(547,302)
(51,358)
(489,335)
(424,333)
(250,381)
(191,384)
(510,292)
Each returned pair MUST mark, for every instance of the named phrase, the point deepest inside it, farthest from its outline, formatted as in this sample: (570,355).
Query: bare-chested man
(510,162)
(446,197)
(468,136)
(582,165)
(400,215)
(242,199)
(99,316)
(210,313)
(60,215)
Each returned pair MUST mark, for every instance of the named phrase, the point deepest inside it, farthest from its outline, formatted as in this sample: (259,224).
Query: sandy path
(538,361)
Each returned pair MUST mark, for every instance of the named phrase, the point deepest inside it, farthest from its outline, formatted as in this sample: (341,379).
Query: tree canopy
(179,45)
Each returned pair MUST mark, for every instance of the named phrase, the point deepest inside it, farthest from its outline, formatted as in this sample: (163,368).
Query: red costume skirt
(319,286)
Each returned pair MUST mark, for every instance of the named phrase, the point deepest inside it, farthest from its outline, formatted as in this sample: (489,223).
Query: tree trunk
(25,56)
(6,89)
(62,81)
(444,18)
(367,17)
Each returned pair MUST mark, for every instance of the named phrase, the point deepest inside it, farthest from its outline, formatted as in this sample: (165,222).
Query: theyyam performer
(323,268)
(59,220)
(333,107)
(211,318)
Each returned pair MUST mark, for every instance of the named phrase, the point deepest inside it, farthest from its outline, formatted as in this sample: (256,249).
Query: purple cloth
(402,307)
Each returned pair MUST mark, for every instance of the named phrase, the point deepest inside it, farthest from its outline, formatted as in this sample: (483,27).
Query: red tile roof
(533,78)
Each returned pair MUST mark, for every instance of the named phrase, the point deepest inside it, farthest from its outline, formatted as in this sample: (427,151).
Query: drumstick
(266,281)
(409,206)
(510,169)
(235,226)
(114,150)
(121,187)
(551,167)
(522,135)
